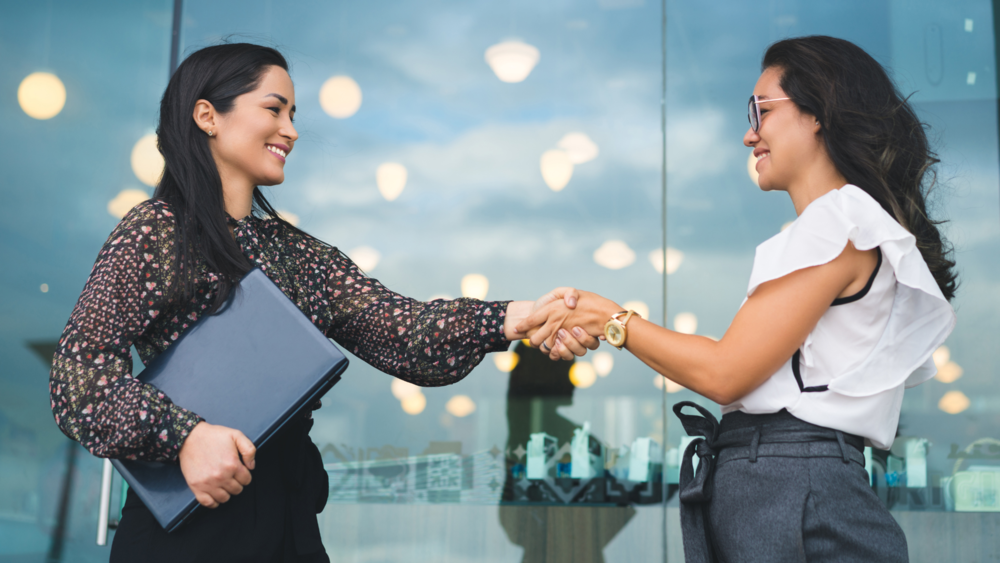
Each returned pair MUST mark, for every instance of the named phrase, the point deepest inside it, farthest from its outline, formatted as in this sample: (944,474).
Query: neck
(237,193)
(816,182)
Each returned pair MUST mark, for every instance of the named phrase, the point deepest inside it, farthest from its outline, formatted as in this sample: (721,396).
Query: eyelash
(277,111)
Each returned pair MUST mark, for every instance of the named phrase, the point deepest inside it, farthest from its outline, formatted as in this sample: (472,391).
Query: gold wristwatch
(615,332)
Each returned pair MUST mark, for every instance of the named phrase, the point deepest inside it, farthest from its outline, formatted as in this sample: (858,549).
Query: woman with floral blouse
(226,128)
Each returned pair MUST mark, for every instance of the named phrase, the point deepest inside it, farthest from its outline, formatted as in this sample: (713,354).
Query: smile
(762,155)
(277,152)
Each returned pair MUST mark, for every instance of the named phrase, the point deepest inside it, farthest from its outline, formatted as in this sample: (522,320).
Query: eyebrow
(281,99)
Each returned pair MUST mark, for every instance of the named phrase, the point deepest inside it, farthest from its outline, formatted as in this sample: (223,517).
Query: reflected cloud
(147,162)
(578,147)
(340,97)
(125,201)
(614,255)
(513,60)
(41,95)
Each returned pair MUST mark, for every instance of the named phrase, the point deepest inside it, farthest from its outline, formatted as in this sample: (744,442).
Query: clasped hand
(566,322)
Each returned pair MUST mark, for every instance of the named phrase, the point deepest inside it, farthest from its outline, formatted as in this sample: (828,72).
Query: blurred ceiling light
(44,288)
(686,323)
(752,169)
(365,257)
(674,259)
(673,387)
(604,362)
(941,356)
(414,404)
(949,372)
(475,286)
(41,95)
(403,389)
(125,201)
(147,162)
(340,97)
(391,179)
(506,361)
(460,406)
(579,147)
(638,307)
(614,254)
(658,381)
(288,216)
(954,402)
(557,169)
(512,60)
(582,374)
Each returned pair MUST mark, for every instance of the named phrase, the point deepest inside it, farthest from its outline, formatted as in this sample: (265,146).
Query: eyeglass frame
(753,109)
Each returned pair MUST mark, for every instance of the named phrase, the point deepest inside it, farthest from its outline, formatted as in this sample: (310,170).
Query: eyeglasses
(753,110)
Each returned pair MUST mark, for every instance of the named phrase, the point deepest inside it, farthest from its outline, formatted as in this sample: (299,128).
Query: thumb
(246,448)
(570,297)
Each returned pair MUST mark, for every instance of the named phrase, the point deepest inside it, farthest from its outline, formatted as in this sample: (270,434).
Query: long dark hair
(191,183)
(871,133)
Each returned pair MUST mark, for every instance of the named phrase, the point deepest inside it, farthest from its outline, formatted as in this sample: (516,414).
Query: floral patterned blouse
(97,402)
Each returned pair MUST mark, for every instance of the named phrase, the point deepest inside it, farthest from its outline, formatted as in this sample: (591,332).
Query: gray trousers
(772,488)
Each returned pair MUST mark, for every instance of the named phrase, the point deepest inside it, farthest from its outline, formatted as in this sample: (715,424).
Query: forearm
(516,312)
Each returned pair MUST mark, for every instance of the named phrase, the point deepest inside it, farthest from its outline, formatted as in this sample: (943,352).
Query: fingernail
(577,331)
(572,301)
(561,334)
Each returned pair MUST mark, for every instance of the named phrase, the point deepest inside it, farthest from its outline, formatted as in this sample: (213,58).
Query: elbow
(719,386)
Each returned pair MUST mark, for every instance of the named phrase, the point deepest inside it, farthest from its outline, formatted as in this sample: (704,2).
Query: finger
(205,500)
(220,495)
(571,343)
(585,339)
(246,448)
(570,297)
(562,351)
(544,334)
(232,487)
(242,476)
(535,319)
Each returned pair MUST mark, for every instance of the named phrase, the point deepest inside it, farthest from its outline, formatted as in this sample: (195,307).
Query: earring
(212,133)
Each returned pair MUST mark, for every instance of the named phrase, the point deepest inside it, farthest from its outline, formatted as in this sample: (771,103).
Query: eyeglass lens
(752,114)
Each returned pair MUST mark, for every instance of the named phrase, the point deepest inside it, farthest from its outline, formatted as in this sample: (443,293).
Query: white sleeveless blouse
(854,365)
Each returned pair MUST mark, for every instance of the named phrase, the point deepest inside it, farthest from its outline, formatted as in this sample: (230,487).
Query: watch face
(614,333)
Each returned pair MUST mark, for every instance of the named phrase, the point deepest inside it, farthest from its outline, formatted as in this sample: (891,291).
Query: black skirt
(273,519)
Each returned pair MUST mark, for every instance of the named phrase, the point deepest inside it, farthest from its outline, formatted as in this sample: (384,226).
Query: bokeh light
(582,374)
(506,361)
(403,389)
(147,162)
(391,179)
(41,95)
(460,406)
(366,257)
(674,259)
(638,307)
(125,201)
(513,60)
(475,286)
(614,255)
(414,404)
(954,402)
(603,362)
(292,218)
(557,169)
(340,97)
(686,323)
(752,169)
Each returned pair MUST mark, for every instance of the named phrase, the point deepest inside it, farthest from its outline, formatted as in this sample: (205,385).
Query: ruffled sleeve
(921,318)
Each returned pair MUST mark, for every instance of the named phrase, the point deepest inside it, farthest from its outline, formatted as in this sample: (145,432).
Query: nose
(288,131)
(751,137)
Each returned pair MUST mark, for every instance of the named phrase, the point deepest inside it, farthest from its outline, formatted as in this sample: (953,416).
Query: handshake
(566,322)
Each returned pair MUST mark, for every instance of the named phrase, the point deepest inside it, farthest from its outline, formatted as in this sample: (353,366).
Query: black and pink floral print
(97,402)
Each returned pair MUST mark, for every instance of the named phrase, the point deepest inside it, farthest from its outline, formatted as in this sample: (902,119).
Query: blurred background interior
(495,149)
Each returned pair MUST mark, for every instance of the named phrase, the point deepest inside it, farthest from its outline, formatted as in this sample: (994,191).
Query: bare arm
(767,330)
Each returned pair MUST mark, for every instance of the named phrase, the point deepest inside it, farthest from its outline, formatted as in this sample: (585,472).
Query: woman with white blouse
(843,311)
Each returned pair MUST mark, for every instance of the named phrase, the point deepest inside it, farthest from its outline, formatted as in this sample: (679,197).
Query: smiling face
(788,142)
(251,142)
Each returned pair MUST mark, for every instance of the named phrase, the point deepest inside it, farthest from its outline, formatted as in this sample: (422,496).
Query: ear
(204,116)
(816,127)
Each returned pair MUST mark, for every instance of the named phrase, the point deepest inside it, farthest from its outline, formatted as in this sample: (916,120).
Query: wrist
(516,312)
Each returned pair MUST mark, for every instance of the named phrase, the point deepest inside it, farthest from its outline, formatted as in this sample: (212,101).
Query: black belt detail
(798,377)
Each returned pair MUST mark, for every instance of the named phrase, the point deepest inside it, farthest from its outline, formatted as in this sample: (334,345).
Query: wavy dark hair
(871,133)
(191,183)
